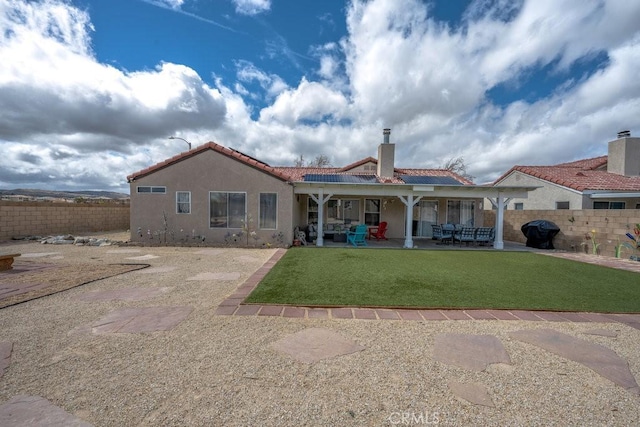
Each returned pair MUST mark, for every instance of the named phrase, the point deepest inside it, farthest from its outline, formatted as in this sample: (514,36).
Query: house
(220,195)
(605,182)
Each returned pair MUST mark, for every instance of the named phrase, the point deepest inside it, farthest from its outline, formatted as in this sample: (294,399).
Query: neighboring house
(606,182)
(216,193)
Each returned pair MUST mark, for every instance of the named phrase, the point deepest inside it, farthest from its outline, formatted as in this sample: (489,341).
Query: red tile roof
(234,154)
(581,175)
(293,173)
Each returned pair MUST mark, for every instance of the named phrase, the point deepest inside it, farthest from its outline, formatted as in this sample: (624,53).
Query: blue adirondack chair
(357,237)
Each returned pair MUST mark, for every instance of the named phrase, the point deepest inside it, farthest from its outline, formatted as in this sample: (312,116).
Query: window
(347,211)
(227,210)
(609,205)
(460,212)
(372,211)
(268,210)
(312,212)
(562,205)
(183,202)
(518,206)
(152,190)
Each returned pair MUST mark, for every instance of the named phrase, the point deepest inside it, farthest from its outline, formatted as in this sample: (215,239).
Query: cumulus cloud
(86,123)
(53,90)
(252,7)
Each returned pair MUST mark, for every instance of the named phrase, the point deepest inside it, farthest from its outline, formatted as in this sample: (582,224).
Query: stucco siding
(541,198)
(200,174)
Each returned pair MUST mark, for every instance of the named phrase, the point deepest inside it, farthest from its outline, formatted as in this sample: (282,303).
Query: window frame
(469,222)
(261,224)
(559,205)
(519,206)
(178,203)
(372,213)
(153,189)
(228,220)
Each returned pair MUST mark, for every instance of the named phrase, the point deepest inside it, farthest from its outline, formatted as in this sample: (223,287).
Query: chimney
(386,156)
(624,155)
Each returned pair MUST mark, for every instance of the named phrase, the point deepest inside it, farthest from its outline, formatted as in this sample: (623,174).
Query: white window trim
(277,207)
(151,188)
(178,202)
(228,192)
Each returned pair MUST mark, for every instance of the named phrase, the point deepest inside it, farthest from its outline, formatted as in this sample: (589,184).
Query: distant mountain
(64,194)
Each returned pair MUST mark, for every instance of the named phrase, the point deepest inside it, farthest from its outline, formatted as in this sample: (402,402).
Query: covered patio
(400,201)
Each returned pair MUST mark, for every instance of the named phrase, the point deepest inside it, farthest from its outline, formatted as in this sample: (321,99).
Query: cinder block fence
(610,227)
(20,219)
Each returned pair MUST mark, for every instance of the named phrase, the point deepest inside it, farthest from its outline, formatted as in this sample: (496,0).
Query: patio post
(320,200)
(497,242)
(409,202)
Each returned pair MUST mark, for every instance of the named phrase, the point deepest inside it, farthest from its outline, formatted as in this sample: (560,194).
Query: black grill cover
(540,233)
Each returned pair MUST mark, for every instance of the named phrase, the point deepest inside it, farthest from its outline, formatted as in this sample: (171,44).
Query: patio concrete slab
(599,358)
(246,258)
(129,294)
(5,356)
(141,319)
(314,344)
(36,411)
(473,352)
(475,393)
(215,276)
(157,270)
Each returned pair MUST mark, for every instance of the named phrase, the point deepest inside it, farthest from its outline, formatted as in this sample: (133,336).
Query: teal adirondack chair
(357,237)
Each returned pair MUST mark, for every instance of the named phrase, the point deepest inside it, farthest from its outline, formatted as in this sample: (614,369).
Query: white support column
(320,199)
(498,243)
(409,203)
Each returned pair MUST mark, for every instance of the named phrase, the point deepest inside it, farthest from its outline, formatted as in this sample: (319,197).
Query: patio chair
(357,237)
(466,235)
(447,233)
(436,232)
(379,231)
(484,235)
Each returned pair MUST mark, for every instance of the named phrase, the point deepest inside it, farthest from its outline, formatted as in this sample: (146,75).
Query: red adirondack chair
(379,231)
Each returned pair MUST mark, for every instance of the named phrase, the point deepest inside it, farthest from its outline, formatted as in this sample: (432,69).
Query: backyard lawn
(445,279)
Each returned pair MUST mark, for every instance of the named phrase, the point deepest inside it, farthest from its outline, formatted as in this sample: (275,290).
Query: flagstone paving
(129,294)
(35,411)
(473,352)
(475,393)
(597,357)
(314,344)
(141,319)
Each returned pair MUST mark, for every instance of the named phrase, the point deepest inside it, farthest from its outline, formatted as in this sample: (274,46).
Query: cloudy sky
(91,89)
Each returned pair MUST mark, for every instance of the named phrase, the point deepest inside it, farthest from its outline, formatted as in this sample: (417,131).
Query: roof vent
(624,134)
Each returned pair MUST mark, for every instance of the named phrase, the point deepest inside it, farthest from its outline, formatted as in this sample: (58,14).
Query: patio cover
(410,195)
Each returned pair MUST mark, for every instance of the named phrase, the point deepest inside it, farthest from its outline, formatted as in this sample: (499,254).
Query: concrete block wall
(610,227)
(19,219)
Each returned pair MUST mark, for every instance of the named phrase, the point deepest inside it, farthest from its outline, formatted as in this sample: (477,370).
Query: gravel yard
(224,370)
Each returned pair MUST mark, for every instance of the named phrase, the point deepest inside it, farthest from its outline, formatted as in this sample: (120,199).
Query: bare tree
(320,161)
(458,166)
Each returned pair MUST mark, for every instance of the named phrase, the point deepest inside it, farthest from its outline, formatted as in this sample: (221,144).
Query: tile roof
(294,173)
(229,152)
(581,175)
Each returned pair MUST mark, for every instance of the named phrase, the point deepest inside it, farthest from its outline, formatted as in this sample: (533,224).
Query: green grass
(446,279)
